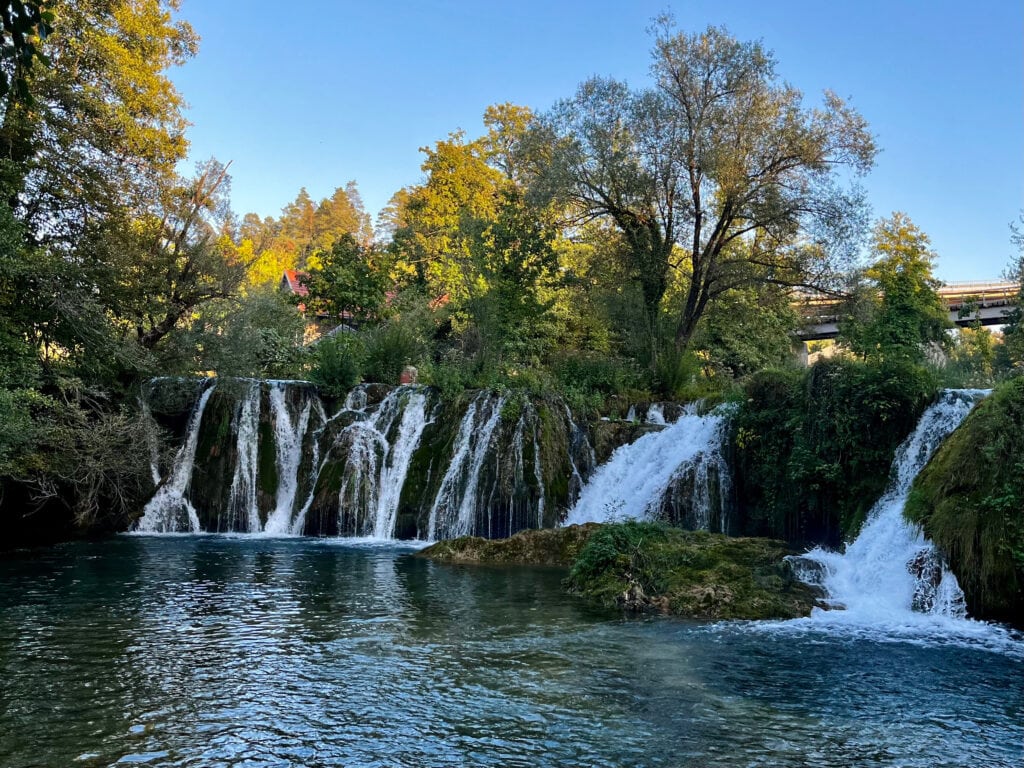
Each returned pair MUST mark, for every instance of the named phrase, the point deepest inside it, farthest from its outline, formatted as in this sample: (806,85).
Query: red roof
(291,282)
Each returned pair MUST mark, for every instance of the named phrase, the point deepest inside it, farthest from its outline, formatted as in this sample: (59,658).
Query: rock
(649,567)
(554,546)
(409,375)
(926,568)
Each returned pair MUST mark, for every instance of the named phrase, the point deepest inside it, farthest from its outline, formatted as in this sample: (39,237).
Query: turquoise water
(216,651)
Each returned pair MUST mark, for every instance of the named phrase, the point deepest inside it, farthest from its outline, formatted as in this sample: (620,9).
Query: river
(249,651)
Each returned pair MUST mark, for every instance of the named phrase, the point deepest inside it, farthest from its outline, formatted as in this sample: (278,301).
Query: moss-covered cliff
(970,500)
(813,448)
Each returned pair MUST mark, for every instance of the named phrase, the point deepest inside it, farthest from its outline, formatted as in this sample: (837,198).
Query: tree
(154,271)
(1012,351)
(515,258)
(901,310)
(441,215)
(24,25)
(106,128)
(719,154)
(347,283)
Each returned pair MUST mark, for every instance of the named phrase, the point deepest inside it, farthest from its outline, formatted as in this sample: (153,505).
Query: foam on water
(633,482)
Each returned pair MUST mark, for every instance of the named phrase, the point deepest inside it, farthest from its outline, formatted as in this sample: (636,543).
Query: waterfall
(288,434)
(264,457)
(242,507)
(890,569)
(581,452)
(639,477)
(392,477)
(453,511)
(169,511)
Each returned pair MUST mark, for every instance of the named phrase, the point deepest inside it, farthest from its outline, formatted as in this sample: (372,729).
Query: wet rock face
(609,435)
(926,568)
(275,457)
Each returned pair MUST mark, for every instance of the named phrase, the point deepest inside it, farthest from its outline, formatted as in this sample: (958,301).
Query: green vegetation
(650,567)
(813,448)
(896,312)
(575,252)
(970,500)
(556,547)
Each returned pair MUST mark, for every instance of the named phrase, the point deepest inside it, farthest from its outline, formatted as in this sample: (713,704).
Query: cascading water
(169,510)
(635,481)
(288,434)
(454,508)
(242,506)
(378,449)
(263,457)
(890,569)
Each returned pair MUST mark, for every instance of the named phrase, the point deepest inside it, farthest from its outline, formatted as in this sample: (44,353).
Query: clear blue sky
(330,91)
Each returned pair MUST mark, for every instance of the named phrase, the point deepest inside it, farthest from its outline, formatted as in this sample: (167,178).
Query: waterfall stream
(642,477)
(170,510)
(264,457)
(890,574)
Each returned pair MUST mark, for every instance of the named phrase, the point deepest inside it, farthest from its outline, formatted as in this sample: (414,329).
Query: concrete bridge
(986,302)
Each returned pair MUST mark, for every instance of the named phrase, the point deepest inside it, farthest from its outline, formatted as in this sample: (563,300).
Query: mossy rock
(970,501)
(650,567)
(609,435)
(557,546)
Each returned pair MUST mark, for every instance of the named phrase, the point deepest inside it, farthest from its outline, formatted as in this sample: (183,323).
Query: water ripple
(224,651)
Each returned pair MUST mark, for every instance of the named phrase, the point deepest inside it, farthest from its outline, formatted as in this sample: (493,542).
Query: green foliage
(652,567)
(899,312)
(814,447)
(337,363)
(970,500)
(718,172)
(258,335)
(347,283)
(972,358)
(389,349)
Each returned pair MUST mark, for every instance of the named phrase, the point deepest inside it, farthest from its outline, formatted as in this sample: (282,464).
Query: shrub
(337,363)
(389,349)
(814,448)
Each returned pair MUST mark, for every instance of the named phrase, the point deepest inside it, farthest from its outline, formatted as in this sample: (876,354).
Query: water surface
(221,651)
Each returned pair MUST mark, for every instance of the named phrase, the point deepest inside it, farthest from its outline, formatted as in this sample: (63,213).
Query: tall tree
(901,309)
(106,128)
(160,268)
(348,282)
(719,153)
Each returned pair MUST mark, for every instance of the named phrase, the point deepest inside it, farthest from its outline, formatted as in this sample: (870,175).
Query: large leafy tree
(105,128)
(898,310)
(718,172)
(349,281)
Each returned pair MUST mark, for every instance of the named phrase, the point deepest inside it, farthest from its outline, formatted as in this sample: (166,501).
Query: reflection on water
(216,651)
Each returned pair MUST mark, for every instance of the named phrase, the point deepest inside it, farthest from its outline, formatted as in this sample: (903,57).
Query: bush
(596,373)
(389,349)
(337,363)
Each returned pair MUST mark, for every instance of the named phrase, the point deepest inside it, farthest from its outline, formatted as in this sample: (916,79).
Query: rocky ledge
(653,568)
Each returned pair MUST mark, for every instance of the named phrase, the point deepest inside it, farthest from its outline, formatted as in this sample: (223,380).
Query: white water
(169,510)
(399,456)
(376,467)
(454,507)
(871,580)
(289,432)
(632,484)
(242,499)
